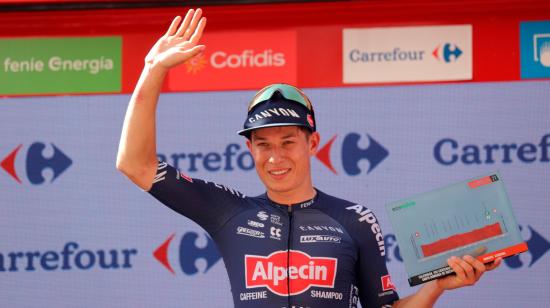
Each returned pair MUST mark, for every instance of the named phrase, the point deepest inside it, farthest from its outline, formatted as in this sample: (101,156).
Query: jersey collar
(295,206)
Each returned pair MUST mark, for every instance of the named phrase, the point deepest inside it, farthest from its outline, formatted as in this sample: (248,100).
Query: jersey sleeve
(208,204)
(375,285)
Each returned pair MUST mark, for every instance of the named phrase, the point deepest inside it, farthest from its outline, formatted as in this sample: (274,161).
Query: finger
(173,25)
(468,270)
(459,271)
(491,266)
(478,266)
(185,23)
(198,33)
(190,53)
(191,29)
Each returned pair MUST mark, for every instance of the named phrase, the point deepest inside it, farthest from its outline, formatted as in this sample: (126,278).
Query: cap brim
(246,132)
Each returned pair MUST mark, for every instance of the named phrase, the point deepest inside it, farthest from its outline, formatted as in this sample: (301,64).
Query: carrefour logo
(232,157)
(235,157)
(36,162)
(449,151)
(447,52)
(352,153)
(538,246)
(70,257)
(188,252)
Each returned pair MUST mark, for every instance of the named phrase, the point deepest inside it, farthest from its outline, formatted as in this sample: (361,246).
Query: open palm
(179,43)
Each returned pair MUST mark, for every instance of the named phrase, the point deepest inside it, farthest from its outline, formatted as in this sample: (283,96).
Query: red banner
(239,60)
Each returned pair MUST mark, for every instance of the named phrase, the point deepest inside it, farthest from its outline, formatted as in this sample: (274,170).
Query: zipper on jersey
(289,208)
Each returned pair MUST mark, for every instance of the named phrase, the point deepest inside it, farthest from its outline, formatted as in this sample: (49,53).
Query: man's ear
(314,140)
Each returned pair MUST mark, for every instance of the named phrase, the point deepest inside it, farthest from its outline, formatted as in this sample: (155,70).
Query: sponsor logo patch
(275,233)
(255,224)
(304,272)
(276,220)
(321,228)
(320,239)
(250,232)
(262,216)
(387,284)
(366,215)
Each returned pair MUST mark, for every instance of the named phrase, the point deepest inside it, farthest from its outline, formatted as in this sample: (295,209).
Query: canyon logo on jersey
(304,272)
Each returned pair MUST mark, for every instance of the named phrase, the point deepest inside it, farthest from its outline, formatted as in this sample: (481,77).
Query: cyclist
(293,246)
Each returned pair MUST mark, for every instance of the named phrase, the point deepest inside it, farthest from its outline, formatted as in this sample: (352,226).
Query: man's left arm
(468,270)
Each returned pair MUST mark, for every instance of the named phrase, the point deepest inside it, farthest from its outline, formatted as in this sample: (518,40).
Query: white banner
(407,54)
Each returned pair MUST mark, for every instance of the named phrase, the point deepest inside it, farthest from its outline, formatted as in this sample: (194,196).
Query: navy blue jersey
(324,252)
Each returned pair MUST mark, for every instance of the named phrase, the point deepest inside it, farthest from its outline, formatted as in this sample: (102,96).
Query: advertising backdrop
(76,233)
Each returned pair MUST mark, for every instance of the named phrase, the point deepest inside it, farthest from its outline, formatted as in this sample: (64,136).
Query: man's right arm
(136,156)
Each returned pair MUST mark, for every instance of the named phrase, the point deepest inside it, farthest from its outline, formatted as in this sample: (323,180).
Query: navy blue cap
(278,111)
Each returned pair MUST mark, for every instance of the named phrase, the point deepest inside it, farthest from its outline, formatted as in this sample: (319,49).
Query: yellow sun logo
(195,64)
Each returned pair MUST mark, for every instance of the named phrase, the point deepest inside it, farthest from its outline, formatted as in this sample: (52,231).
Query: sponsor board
(407,54)
(60,65)
(535,49)
(239,60)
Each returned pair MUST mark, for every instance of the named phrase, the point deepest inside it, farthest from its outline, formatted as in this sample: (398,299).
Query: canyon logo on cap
(279,105)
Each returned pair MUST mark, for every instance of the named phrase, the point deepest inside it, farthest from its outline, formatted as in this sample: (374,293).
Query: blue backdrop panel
(75,232)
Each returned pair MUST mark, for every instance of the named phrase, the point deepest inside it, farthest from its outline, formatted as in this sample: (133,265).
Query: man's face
(282,157)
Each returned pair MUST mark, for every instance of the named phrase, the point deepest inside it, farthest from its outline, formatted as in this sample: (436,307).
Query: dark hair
(306,131)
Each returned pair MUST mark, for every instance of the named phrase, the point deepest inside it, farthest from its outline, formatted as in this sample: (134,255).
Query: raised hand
(179,43)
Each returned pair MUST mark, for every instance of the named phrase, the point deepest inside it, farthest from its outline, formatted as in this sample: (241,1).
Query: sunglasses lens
(287,91)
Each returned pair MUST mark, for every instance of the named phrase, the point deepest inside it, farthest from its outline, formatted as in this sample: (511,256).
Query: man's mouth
(279,172)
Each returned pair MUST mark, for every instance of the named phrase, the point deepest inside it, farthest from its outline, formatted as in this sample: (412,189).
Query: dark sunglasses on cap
(287,91)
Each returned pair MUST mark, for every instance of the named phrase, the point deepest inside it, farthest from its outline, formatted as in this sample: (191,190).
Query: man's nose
(275,156)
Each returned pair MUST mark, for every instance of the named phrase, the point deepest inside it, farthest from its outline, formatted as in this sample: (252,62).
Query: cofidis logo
(535,49)
(35,162)
(407,54)
(239,60)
